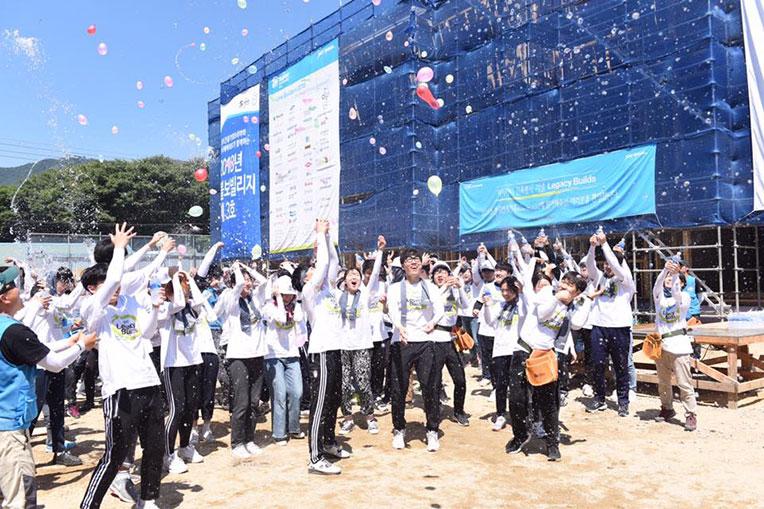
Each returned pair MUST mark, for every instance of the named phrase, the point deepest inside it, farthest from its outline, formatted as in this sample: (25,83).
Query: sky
(53,79)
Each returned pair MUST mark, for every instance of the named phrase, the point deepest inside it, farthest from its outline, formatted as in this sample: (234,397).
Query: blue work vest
(18,405)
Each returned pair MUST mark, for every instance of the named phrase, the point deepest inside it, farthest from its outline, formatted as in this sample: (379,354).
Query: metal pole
(634,267)
(720,270)
(736,268)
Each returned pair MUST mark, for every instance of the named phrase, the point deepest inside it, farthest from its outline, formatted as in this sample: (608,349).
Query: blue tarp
(534,83)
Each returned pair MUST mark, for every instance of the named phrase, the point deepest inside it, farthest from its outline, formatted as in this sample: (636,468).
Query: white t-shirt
(123,351)
(612,308)
(494,291)
(423,305)
(507,325)
(242,344)
(283,338)
(324,312)
(356,335)
(544,318)
(670,317)
(180,345)
(379,331)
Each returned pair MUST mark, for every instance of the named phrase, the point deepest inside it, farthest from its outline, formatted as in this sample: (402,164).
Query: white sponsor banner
(753,32)
(304,137)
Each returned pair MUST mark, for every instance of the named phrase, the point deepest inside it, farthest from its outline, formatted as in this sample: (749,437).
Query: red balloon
(259,154)
(423,91)
(200,174)
(91,30)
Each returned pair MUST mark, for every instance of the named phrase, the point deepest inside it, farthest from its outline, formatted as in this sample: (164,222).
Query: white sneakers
(337,451)
(194,439)
(253,449)
(346,427)
(372,426)
(174,464)
(399,439)
(499,423)
(433,444)
(587,391)
(146,504)
(324,467)
(240,452)
(632,396)
(189,454)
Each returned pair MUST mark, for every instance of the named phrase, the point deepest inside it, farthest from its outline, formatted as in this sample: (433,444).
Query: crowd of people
(169,345)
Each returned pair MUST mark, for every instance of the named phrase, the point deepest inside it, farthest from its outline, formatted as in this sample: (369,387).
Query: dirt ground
(607,461)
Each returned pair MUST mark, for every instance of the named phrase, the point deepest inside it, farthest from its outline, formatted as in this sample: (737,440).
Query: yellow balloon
(435,185)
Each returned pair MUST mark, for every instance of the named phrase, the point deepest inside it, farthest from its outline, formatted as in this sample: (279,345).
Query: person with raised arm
(415,306)
(239,309)
(453,298)
(357,342)
(324,347)
(131,388)
(671,305)
(285,333)
(611,322)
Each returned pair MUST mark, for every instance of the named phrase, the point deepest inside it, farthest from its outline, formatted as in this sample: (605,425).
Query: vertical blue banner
(240,175)
(606,186)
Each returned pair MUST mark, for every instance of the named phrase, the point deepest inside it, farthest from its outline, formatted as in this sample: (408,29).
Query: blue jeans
(285,380)
(632,368)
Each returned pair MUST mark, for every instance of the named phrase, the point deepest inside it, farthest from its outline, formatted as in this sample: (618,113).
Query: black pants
(325,400)
(247,384)
(501,368)
(85,366)
(208,378)
(486,354)
(380,357)
(126,412)
(224,378)
(455,366)
(523,397)
(563,372)
(306,378)
(183,388)
(50,389)
(421,355)
(584,337)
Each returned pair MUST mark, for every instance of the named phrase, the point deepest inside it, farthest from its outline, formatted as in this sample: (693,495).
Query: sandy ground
(607,462)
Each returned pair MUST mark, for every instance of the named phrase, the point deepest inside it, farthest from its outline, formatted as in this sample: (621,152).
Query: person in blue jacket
(20,354)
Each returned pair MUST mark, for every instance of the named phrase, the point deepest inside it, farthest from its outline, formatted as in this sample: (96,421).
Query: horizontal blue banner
(606,186)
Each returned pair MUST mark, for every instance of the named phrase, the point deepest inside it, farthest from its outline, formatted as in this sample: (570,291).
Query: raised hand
(121,236)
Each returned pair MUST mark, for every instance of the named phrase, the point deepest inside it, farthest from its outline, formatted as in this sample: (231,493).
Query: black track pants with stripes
(127,412)
(325,400)
(183,388)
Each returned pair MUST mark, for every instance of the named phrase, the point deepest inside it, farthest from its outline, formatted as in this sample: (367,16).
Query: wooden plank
(732,362)
(713,373)
(751,385)
(756,363)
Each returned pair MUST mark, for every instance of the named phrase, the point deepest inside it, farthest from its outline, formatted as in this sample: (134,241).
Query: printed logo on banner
(606,186)
(304,134)
(240,174)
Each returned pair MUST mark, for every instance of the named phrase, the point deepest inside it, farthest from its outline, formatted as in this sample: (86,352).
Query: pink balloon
(376,2)
(168,82)
(82,119)
(103,49)
(425,75)
(181,249)
(91,30)
(244,32)
(141,105)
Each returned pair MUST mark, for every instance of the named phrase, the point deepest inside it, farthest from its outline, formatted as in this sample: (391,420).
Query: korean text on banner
(753,23)
(304,135)
(606,186)
(240,174)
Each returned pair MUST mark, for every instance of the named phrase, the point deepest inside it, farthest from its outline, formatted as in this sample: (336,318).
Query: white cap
(284,285)
(487,265)
(440,265)
(287,266)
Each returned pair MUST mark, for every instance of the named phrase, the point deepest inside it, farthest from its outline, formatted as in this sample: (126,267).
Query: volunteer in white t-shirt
(131,394)
(611,322)
(453,298)
(181,362)
(324,348)
(381,332)
(238,308)
(415,306)
(285,334)
(357,342)
(671,305)
(504,316)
